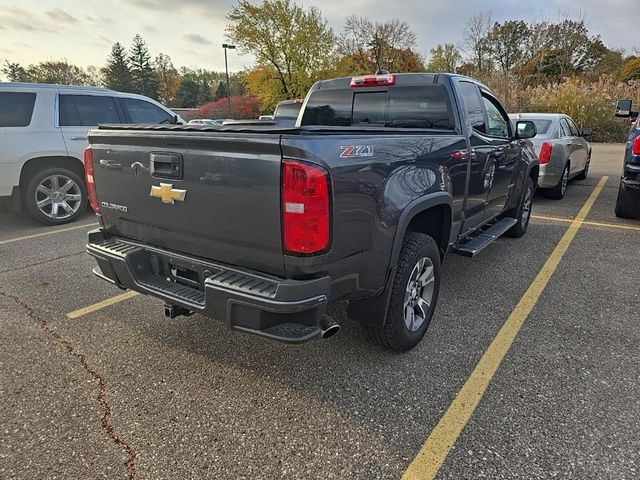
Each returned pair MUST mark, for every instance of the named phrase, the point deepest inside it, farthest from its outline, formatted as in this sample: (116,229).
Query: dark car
(628,202)
(360,202)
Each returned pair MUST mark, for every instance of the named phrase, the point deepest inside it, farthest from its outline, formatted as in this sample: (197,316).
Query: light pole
(226,69)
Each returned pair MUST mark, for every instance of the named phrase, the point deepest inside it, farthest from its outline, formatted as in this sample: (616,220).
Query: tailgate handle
(166,165)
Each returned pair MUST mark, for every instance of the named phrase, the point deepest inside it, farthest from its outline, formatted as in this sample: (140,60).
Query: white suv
(43,134)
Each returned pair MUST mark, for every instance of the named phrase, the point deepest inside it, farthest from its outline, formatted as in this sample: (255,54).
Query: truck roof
(405,79)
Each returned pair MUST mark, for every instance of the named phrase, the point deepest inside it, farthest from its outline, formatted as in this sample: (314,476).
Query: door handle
(110,164)
(78,138)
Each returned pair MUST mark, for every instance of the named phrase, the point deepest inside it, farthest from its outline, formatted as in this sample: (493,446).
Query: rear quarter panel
(369,195)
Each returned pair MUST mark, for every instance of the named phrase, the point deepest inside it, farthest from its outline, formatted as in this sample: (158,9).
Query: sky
(191,32)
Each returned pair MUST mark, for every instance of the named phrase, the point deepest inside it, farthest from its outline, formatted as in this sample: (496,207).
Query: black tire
(523,212)
(394,334)
(583,174)
(31,195)
(627,204)
(560,189)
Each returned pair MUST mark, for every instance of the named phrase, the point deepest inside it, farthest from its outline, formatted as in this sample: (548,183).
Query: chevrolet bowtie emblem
(167,193)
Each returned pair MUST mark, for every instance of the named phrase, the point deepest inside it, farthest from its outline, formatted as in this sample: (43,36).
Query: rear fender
(372,311)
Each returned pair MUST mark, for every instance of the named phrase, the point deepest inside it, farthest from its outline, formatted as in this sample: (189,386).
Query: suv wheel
(523,213)
(55,196)
(413,297)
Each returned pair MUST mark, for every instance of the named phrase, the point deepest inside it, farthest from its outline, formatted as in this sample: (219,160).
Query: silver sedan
(562,149)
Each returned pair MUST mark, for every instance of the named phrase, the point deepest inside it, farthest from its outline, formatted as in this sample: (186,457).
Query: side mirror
(525,129)
(623,108)
(633,115)
(586,132)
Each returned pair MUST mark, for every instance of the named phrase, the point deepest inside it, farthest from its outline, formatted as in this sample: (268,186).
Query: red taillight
(373,80)
(636,146)
(545,153)
(88,177)
(305,208)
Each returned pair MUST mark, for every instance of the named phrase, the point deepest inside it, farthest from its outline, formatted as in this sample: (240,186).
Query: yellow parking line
(595,224)
(50,232)
(100,305)
(433,453)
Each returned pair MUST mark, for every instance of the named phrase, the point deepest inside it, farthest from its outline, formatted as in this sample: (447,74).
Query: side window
(87,110)
(574,129)
(565,131)
(498,123)
(473,106)
(16,109)
(145,112)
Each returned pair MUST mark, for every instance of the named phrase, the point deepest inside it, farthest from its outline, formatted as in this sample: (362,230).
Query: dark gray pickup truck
(360,202)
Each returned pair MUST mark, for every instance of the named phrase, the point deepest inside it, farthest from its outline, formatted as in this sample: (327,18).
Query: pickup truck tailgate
(215,195)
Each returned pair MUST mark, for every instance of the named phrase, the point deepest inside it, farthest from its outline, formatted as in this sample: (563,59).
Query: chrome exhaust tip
(328,326)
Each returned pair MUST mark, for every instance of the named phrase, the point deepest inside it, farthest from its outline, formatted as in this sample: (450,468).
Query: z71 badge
(356,151)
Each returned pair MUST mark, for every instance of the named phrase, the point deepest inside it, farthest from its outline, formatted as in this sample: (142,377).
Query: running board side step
(481,239)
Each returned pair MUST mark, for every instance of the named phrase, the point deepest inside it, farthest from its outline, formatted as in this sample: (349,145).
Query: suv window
(473,106)
(401,107)
(87,110)
(16,109)
(145,112)
(497,122)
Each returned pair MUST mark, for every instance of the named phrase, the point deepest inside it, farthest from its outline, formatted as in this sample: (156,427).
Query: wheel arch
(431,215)
(32,165)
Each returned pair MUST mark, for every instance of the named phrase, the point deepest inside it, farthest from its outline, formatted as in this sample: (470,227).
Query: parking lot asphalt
(122,392)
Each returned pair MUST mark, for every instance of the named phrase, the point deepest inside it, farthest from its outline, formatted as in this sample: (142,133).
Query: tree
(221,91)
(15,72)
(143,75)
(116,73)
(630,69)
(475,42)
(507,43)
(241,107)
(204,93)
(371,46)
(94,76)
(168,79)
(59,72)
(294,41)
(444,58)
(187,94)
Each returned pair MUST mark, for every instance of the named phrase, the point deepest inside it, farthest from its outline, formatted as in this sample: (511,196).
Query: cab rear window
(16,108)
(424,107)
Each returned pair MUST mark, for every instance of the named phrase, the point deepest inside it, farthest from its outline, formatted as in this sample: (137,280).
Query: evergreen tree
(117,74)
(187,96)
(204,93)
(143,75)
(221,91)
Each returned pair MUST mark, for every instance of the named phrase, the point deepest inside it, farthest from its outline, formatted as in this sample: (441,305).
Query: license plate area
(177,270)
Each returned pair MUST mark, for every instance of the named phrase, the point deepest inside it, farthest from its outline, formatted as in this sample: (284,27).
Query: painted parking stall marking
(435,450)
(50,232)
(100,305)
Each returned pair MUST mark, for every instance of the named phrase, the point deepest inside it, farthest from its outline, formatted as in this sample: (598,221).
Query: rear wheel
(522,213)
(413,297)
(560,189)
(55,196)
(627,204)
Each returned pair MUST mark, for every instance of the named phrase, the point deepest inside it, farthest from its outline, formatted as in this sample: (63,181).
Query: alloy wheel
(419,294)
